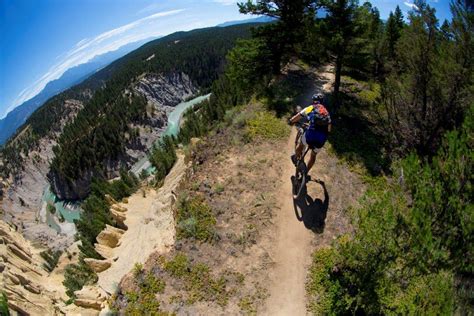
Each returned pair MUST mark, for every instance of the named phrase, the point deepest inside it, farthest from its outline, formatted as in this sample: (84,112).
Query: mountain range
(71,77)
(14,119)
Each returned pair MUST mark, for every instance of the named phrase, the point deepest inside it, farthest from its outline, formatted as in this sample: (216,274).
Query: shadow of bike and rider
(312,212)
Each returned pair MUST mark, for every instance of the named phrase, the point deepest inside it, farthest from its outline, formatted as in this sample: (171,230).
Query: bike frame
(300,174)
(301,130)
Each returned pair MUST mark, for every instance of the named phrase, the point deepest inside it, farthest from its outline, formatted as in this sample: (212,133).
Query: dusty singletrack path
(292,252)
(298,223)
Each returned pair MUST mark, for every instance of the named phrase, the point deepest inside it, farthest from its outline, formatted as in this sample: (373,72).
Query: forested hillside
(93,138)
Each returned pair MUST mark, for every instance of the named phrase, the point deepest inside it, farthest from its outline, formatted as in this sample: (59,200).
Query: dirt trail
(292,253)
(297,223)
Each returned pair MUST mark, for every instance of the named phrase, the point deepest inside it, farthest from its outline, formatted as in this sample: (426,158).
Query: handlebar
(302,125)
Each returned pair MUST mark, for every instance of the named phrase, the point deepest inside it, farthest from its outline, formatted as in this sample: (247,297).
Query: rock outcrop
(166,90)
(22,276)
(98,265)
(90,297)
(151,225)
(110,236)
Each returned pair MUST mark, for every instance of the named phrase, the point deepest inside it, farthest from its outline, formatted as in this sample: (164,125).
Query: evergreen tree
(446,30)
(248,65)
(399,18)
(430,91)
(393,31)
(283,36)
(376,40)
(340,31)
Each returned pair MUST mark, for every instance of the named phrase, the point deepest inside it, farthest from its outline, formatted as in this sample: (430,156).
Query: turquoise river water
(72,211)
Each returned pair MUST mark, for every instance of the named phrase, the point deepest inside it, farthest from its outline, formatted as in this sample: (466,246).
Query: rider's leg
(312,159)
(299,150)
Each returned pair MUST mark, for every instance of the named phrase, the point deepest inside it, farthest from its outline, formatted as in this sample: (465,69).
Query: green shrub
(219,188)
(51,208)
(61,217)
(195,219)
(198,281)
(247,305)
(4,305)
(143,174)
(178,266)
(267,126)
(413,236)
(318,286)
(76,276)
(431,294)
(137,269)
(145,302)
(152,284)
(370,96)
(51,259)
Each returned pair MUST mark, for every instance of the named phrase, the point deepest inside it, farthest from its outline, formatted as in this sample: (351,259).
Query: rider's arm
(329,127)
(301,114)
(295,118)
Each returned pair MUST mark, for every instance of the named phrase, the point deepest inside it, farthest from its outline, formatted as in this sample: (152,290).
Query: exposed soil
(310,222)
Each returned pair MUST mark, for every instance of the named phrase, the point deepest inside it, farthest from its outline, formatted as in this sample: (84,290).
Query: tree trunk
(337,81)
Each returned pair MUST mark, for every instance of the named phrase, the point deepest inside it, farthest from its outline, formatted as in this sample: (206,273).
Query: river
(72,211)
(171,129)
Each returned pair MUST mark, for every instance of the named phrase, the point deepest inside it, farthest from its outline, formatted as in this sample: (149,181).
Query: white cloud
(227,2)
(86,49)
(410,5)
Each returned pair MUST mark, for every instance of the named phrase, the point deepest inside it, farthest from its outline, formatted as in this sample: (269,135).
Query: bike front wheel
(299,180)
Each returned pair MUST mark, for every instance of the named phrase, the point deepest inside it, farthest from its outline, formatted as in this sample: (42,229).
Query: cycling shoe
(293,159)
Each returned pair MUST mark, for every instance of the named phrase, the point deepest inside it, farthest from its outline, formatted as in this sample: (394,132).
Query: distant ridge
(72,76)
(262,19)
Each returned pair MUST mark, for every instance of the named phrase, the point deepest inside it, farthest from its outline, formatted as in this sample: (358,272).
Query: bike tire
(297,138)
(300,180)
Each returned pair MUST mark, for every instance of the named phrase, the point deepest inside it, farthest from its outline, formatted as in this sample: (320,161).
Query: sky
(41,39)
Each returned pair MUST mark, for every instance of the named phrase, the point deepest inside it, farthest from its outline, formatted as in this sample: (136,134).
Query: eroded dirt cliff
(22,276)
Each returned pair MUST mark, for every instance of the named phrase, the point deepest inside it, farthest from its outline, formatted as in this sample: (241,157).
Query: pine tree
(283,36)
(446,30)
(432,87)
(399,18)
(340,32)
(394,28)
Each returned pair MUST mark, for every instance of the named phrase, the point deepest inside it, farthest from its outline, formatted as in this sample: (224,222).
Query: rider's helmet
(318,97)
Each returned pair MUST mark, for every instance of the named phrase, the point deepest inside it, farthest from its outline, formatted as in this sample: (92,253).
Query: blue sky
(42,39)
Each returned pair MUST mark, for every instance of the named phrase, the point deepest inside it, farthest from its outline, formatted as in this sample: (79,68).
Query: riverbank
(62,221)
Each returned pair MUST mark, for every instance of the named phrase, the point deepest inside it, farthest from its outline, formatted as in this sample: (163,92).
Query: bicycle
(301,171)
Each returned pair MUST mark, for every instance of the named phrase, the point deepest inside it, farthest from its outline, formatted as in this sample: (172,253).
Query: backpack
(319,116)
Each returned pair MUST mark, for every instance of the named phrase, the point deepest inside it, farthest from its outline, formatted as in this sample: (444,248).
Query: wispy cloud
(151,26)
(410,5)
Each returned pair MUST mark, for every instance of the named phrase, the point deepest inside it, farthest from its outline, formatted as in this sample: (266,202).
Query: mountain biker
(316,134)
